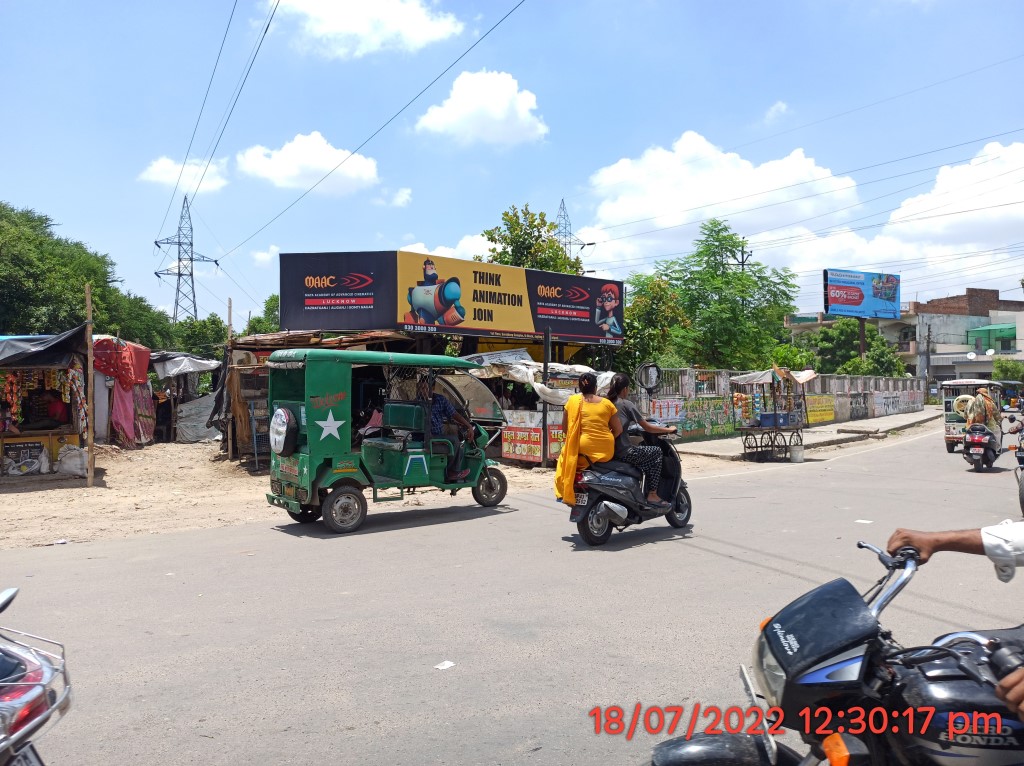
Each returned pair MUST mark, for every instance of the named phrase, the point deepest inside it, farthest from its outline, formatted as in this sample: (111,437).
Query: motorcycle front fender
(721,750)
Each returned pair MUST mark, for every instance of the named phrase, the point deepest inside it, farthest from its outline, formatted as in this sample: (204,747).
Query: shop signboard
(862,294)
(413,292)
(523,443)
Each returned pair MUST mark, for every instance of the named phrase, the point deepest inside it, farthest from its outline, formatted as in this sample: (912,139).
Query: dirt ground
(173,487)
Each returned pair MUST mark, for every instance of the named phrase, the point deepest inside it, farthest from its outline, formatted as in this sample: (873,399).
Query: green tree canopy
(270,320)
(42,285)
(201,336)
(527,239)
(838,350)
(1007,369)
(736,315)
(654,324)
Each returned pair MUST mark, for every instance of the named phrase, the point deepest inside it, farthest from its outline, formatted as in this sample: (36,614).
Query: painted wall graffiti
(886,403)
(861,406)
(821,408)
(696,418)
(841,407)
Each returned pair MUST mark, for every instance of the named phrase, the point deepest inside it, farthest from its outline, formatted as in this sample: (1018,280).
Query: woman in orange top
(591,427)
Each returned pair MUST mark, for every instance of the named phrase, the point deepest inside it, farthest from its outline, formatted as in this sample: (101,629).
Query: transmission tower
(564,234)
(185,297)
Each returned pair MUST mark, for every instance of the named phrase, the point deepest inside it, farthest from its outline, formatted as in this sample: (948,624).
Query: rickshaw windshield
(468,394)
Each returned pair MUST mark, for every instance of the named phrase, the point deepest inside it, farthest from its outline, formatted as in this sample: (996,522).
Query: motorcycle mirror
(7,597)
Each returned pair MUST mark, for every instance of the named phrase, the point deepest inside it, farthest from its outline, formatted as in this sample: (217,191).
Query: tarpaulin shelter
(179,372)
(28,364)
(127,411)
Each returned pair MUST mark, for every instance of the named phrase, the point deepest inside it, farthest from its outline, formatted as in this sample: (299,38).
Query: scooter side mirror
(7,597)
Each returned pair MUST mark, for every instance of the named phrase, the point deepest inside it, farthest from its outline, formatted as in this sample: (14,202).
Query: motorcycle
(981,446)
(612,495)
(34,690)
(827,670)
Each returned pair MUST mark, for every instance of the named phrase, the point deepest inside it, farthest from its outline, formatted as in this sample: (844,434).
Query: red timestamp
(823,721)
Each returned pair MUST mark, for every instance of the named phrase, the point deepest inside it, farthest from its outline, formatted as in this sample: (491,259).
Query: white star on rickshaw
(330,426)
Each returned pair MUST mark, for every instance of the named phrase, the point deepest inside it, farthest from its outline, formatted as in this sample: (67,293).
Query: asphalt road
(282,644)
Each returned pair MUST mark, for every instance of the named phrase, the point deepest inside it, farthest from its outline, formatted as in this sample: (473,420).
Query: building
(965,333)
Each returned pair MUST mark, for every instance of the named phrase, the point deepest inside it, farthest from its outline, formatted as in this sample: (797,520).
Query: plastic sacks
(71,461)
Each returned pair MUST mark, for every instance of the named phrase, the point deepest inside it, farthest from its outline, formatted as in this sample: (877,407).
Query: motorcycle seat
(619,467)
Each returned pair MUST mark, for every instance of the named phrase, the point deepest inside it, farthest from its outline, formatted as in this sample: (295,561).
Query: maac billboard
(862,294)
(418,293)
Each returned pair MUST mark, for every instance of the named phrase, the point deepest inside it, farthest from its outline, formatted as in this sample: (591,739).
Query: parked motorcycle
(981,446)
(612,495)
(827,670)
(34,690)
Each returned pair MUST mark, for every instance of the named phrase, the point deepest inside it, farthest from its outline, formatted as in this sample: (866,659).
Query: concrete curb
(848,438)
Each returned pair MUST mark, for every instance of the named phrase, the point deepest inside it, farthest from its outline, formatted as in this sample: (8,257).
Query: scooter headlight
(769,674)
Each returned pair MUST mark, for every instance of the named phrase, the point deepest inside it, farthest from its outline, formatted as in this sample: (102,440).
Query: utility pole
(743,257)
(928,355)
(185,295)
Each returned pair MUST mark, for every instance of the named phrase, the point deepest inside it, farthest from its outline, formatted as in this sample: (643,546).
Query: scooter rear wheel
(594,530)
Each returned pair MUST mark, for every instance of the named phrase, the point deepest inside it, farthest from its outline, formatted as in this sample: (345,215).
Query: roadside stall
(124,411)
(770,408)
(178,373)
(43,408)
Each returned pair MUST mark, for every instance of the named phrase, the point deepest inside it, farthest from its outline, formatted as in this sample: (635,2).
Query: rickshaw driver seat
(412,418)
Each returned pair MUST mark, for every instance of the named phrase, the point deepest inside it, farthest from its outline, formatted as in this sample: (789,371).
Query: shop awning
(170,364)
(768,376)
(50,351)
(993,328)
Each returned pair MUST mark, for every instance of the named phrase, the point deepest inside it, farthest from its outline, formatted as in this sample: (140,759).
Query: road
(278,643)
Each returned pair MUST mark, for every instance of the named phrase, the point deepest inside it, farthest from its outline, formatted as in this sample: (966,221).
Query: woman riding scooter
(646,458)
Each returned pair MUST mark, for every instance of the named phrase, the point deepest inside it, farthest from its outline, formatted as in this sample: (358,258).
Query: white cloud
(356,28)
(165,171)
(306,159)
(486,107)
(264,257)
(469,245)
(400,198)
(777,110)
(649,208)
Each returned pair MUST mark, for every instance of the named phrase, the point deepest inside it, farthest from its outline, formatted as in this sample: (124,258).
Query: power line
(378,130)
(206,95)
(238,94)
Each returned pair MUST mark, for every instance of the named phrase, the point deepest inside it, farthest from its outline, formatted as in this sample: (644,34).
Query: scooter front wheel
(594,528)
(679,515)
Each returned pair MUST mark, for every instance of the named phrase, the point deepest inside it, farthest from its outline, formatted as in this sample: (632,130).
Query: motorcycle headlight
(769,674)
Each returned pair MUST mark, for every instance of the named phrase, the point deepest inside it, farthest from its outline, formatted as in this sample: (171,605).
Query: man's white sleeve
(1004,545)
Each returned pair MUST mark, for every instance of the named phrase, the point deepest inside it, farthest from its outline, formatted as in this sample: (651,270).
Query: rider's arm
(653,429)
(1002,543)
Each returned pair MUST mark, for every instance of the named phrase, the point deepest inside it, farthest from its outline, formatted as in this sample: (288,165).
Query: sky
(879,135)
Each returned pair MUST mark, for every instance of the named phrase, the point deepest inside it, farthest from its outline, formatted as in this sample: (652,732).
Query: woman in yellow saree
(591,427)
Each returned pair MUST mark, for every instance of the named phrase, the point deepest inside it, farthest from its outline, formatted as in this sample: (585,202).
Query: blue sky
(796,121)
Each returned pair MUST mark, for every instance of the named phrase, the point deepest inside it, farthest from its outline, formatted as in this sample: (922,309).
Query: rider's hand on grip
(1004,661)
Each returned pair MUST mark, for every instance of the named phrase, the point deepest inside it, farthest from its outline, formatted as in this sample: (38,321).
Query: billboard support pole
(544,408)
(861,321)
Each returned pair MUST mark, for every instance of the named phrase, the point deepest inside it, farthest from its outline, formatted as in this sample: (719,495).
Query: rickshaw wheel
(950,447)
(344,509)
(490,488)
(305,516)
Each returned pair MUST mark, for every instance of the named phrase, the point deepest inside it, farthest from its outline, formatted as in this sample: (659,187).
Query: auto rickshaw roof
(385,358)
(971,382)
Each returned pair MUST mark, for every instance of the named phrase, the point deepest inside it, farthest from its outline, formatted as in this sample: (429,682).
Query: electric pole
(564,234)
(185,296)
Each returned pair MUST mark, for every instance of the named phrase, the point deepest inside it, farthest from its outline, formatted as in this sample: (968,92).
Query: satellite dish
(971,355)
(990,352)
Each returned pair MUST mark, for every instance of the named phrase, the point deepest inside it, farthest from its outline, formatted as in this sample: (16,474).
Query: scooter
(612,495)
(34,689)
(824,668)
(981,446)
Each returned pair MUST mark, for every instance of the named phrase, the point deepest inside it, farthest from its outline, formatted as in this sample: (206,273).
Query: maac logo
(574,294)
(356,281)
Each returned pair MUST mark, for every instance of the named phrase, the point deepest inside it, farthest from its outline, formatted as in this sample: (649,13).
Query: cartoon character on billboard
(435,300)
(607,302)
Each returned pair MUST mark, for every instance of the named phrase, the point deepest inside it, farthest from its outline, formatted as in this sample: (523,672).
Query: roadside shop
(771,411)
(43,406)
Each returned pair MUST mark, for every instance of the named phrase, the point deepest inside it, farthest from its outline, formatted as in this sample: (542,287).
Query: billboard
(862,294)
(413,292)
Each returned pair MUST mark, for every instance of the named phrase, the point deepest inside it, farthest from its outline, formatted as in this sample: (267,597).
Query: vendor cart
(770,406)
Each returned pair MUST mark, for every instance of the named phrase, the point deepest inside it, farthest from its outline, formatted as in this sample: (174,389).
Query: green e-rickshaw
(347,421)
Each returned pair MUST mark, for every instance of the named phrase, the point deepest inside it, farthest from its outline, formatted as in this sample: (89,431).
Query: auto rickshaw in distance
(955,422)
(347,421)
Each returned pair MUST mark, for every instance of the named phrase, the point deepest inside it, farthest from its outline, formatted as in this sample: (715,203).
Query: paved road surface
(281,644)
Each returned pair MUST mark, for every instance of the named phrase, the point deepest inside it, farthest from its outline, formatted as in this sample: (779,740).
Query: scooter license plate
(977,450)
(27,757)
(582,498)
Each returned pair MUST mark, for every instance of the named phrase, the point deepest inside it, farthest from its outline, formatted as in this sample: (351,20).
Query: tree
(794,357)
(838,349)
(527,239)
(201,336)
(270,320)
(736,315)
(654,324)
(42,285)
(1007,369)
